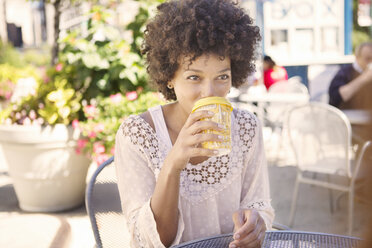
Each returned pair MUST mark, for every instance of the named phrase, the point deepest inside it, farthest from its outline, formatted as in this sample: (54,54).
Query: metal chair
(222,240)
(104,208)
(295,239)
(275,113)
(320,136)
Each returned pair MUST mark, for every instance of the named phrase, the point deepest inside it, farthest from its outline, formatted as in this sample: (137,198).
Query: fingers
(249,225)
(238,219)
(254,238)
(203,137)
(193,117)
(200,126)
(251,233)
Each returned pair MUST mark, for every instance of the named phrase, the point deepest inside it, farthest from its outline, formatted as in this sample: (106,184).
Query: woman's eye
(193,77)
(223,77)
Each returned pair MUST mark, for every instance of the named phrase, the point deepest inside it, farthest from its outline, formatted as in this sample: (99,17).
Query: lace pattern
(133,222)
(201,181)
(258,204)
(143,136)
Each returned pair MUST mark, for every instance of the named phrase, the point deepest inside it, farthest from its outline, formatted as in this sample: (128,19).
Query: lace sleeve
(136,183)
(256,190)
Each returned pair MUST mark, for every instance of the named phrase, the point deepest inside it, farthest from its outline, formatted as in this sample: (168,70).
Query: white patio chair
(320,136)
(276,112)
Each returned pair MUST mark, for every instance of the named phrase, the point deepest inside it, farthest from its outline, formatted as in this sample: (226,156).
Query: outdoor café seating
(320,136)
(109,226)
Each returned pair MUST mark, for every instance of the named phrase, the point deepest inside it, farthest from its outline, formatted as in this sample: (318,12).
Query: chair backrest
(320,136)
(218,241)
(290,86)
(103,205)
(307,239)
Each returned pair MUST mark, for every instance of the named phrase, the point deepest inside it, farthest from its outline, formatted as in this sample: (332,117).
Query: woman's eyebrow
(196,70)
(227,69)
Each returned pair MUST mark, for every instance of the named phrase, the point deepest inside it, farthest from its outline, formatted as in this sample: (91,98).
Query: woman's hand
(189,138)
(249,229)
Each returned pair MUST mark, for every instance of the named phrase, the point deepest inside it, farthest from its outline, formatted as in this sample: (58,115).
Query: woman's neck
(175,117)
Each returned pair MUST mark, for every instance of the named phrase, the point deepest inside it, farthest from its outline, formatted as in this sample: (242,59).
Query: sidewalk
(71,229)
(19,229)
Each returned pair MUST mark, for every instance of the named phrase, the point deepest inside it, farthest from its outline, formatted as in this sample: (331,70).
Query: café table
(359,120)
(358,116)
(275,98)
(298,239)
(281,239)
(278,102)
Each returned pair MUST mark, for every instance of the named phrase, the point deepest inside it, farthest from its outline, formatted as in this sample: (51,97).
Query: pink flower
(78,150)
(82,143)
(99,128)
(131,96)
(98,148)
(46,79)
(92,134)
(32,114)
(59,67)
(101,158)
(90,111)
(8,95)
(116,98)
(75,124)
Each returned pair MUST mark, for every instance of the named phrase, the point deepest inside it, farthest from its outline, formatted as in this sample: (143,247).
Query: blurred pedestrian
(273,73)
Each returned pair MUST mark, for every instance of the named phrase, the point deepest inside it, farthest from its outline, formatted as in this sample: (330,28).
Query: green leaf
(64,112)
(102,83)
(55,96)
(91,60)
(68,94)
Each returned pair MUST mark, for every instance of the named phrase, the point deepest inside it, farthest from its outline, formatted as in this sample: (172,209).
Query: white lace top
(210,192)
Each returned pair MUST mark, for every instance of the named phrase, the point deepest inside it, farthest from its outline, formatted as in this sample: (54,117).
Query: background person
(272,72)
(351,88)
(173,190)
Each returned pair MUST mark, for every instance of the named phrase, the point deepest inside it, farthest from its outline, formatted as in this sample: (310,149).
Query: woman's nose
(208,89)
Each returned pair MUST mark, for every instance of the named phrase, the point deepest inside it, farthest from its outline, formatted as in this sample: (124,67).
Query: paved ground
(72,228)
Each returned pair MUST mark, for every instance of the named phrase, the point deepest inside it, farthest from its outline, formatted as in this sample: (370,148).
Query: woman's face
(207,76)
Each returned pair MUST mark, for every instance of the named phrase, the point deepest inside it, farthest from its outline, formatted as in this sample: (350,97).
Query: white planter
(47,174)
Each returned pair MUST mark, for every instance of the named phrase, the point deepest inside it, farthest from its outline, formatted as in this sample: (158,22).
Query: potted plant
(39,146)
(45,132)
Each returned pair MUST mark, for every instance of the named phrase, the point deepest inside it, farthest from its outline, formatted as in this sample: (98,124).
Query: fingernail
(232,246)
(220,137)
(210,112)
(215,152)
(236,236)
(221,126)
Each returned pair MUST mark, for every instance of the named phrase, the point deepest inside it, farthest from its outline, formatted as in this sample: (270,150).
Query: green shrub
(103,118)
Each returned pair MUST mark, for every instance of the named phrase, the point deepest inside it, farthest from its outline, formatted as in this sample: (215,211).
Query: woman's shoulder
(246,125)
(136,126)
(244,116)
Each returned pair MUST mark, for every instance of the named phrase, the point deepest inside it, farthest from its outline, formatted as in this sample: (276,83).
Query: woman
(273,73)
(171,189)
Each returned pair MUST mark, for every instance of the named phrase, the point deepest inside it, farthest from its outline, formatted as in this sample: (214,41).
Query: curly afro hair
(196,27)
